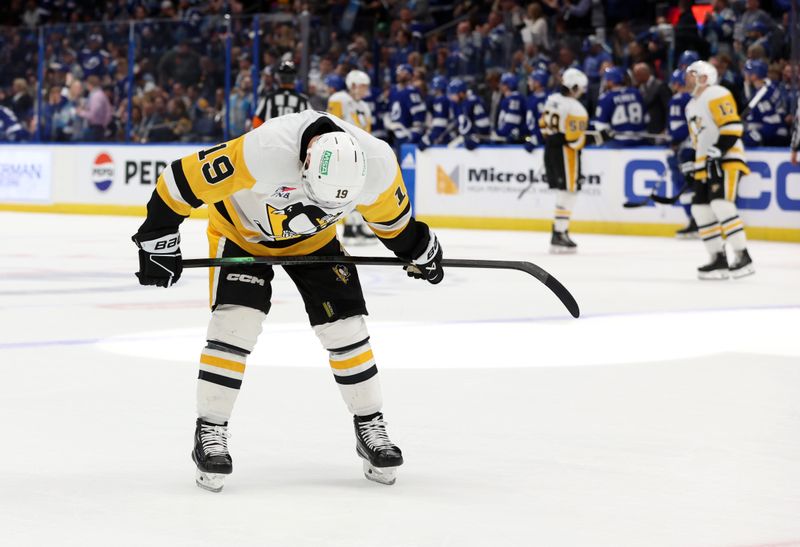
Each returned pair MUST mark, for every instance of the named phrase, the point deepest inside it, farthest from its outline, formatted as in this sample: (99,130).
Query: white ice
(669,414)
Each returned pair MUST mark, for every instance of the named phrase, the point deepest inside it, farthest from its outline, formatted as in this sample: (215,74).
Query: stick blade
(564,295)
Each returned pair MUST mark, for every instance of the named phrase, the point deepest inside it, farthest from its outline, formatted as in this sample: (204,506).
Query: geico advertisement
(510,183)
(123,175)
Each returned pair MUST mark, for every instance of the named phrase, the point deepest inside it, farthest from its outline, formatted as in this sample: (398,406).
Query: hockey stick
(528,267)
(648,199)
(651,136)
(537,177)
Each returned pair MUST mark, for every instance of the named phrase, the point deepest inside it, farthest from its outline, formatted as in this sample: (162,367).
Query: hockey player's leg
(560,242)
(710,232)
(356,231)
(356,374)
(563,170)
(232,334)
(724,207)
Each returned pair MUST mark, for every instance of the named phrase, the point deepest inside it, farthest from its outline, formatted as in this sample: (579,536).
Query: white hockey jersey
(567,116)
(256,198)
(342,105)
(710,115)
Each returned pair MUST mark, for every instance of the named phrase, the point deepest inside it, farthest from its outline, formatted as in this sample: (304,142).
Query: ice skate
(356,235)
(211,455)
(381,457)
(742,265)
(716,269)
(688,232)
(561,243)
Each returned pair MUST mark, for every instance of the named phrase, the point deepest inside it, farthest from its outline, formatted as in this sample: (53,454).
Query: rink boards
(501,187)
(492,187)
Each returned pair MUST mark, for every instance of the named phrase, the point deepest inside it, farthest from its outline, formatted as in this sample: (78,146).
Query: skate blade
(381,475)
(558,250)
(716,275)
(692,235)
(213,482)
(743,272)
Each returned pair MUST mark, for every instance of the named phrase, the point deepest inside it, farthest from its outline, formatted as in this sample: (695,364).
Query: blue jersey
(93,62)
(439,108)
(472,118)
(677,126)
(765,122)
(511,118)
(621,110)
(377,107)
(407,113)
(533,111)
(10,128)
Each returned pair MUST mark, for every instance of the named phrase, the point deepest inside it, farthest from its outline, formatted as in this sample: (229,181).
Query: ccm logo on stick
(244,278)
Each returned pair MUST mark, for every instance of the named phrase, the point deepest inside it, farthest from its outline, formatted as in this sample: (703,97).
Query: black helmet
(287,72)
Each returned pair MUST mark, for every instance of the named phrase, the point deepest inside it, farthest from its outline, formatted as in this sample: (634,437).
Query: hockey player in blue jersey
(11,130)
(93,59)
(406,109)
(537,96)
(470,114)
(765,122)
(439,109)
(620,110)
(680,148)
(687,57)
(511,112)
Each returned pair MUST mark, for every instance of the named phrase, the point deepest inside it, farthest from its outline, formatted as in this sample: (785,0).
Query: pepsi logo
(102,171)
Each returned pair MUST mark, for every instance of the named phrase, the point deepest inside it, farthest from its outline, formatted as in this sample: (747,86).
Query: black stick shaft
(528,267)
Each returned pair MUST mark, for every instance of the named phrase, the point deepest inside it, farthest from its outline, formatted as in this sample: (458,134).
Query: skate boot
(716,269)
(365,236)
(742,265)
(381,457)
(211,455)
(688,232)
(560,243)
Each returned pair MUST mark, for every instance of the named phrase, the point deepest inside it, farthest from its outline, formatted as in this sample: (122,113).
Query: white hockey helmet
(573,78)
(699,69)
(356,77)
(335,170)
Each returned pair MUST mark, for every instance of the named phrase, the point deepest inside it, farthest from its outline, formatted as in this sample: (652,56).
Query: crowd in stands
(178,83)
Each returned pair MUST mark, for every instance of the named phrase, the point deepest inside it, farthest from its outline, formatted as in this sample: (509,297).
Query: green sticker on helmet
(323,164)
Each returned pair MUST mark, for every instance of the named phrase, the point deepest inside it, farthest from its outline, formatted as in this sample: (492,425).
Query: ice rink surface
(669,414)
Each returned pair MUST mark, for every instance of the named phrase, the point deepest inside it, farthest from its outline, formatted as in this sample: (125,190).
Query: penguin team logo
(342,273)
(103,171)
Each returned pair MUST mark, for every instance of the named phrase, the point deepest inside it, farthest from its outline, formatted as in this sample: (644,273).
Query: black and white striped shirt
(279,103)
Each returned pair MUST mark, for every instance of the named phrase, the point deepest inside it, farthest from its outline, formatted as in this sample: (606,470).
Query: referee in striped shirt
(284,100)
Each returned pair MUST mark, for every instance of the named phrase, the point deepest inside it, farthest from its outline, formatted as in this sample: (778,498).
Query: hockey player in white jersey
(279,190)
(349,105)
(716,132)
(563,122)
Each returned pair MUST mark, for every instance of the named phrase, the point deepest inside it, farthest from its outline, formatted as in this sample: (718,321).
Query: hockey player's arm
(391,219)
(726,117)
(208,176)
(335,107)
(417,110)
(575,129)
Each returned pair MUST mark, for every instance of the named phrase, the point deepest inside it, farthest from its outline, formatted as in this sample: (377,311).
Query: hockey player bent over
(716,132)
(350,106)
(563,123)
(279,191)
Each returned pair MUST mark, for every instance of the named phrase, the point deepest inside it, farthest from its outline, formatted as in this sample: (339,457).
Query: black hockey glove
(428,262)
(423,143)
(531,143)
(160,260)
(714,163)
